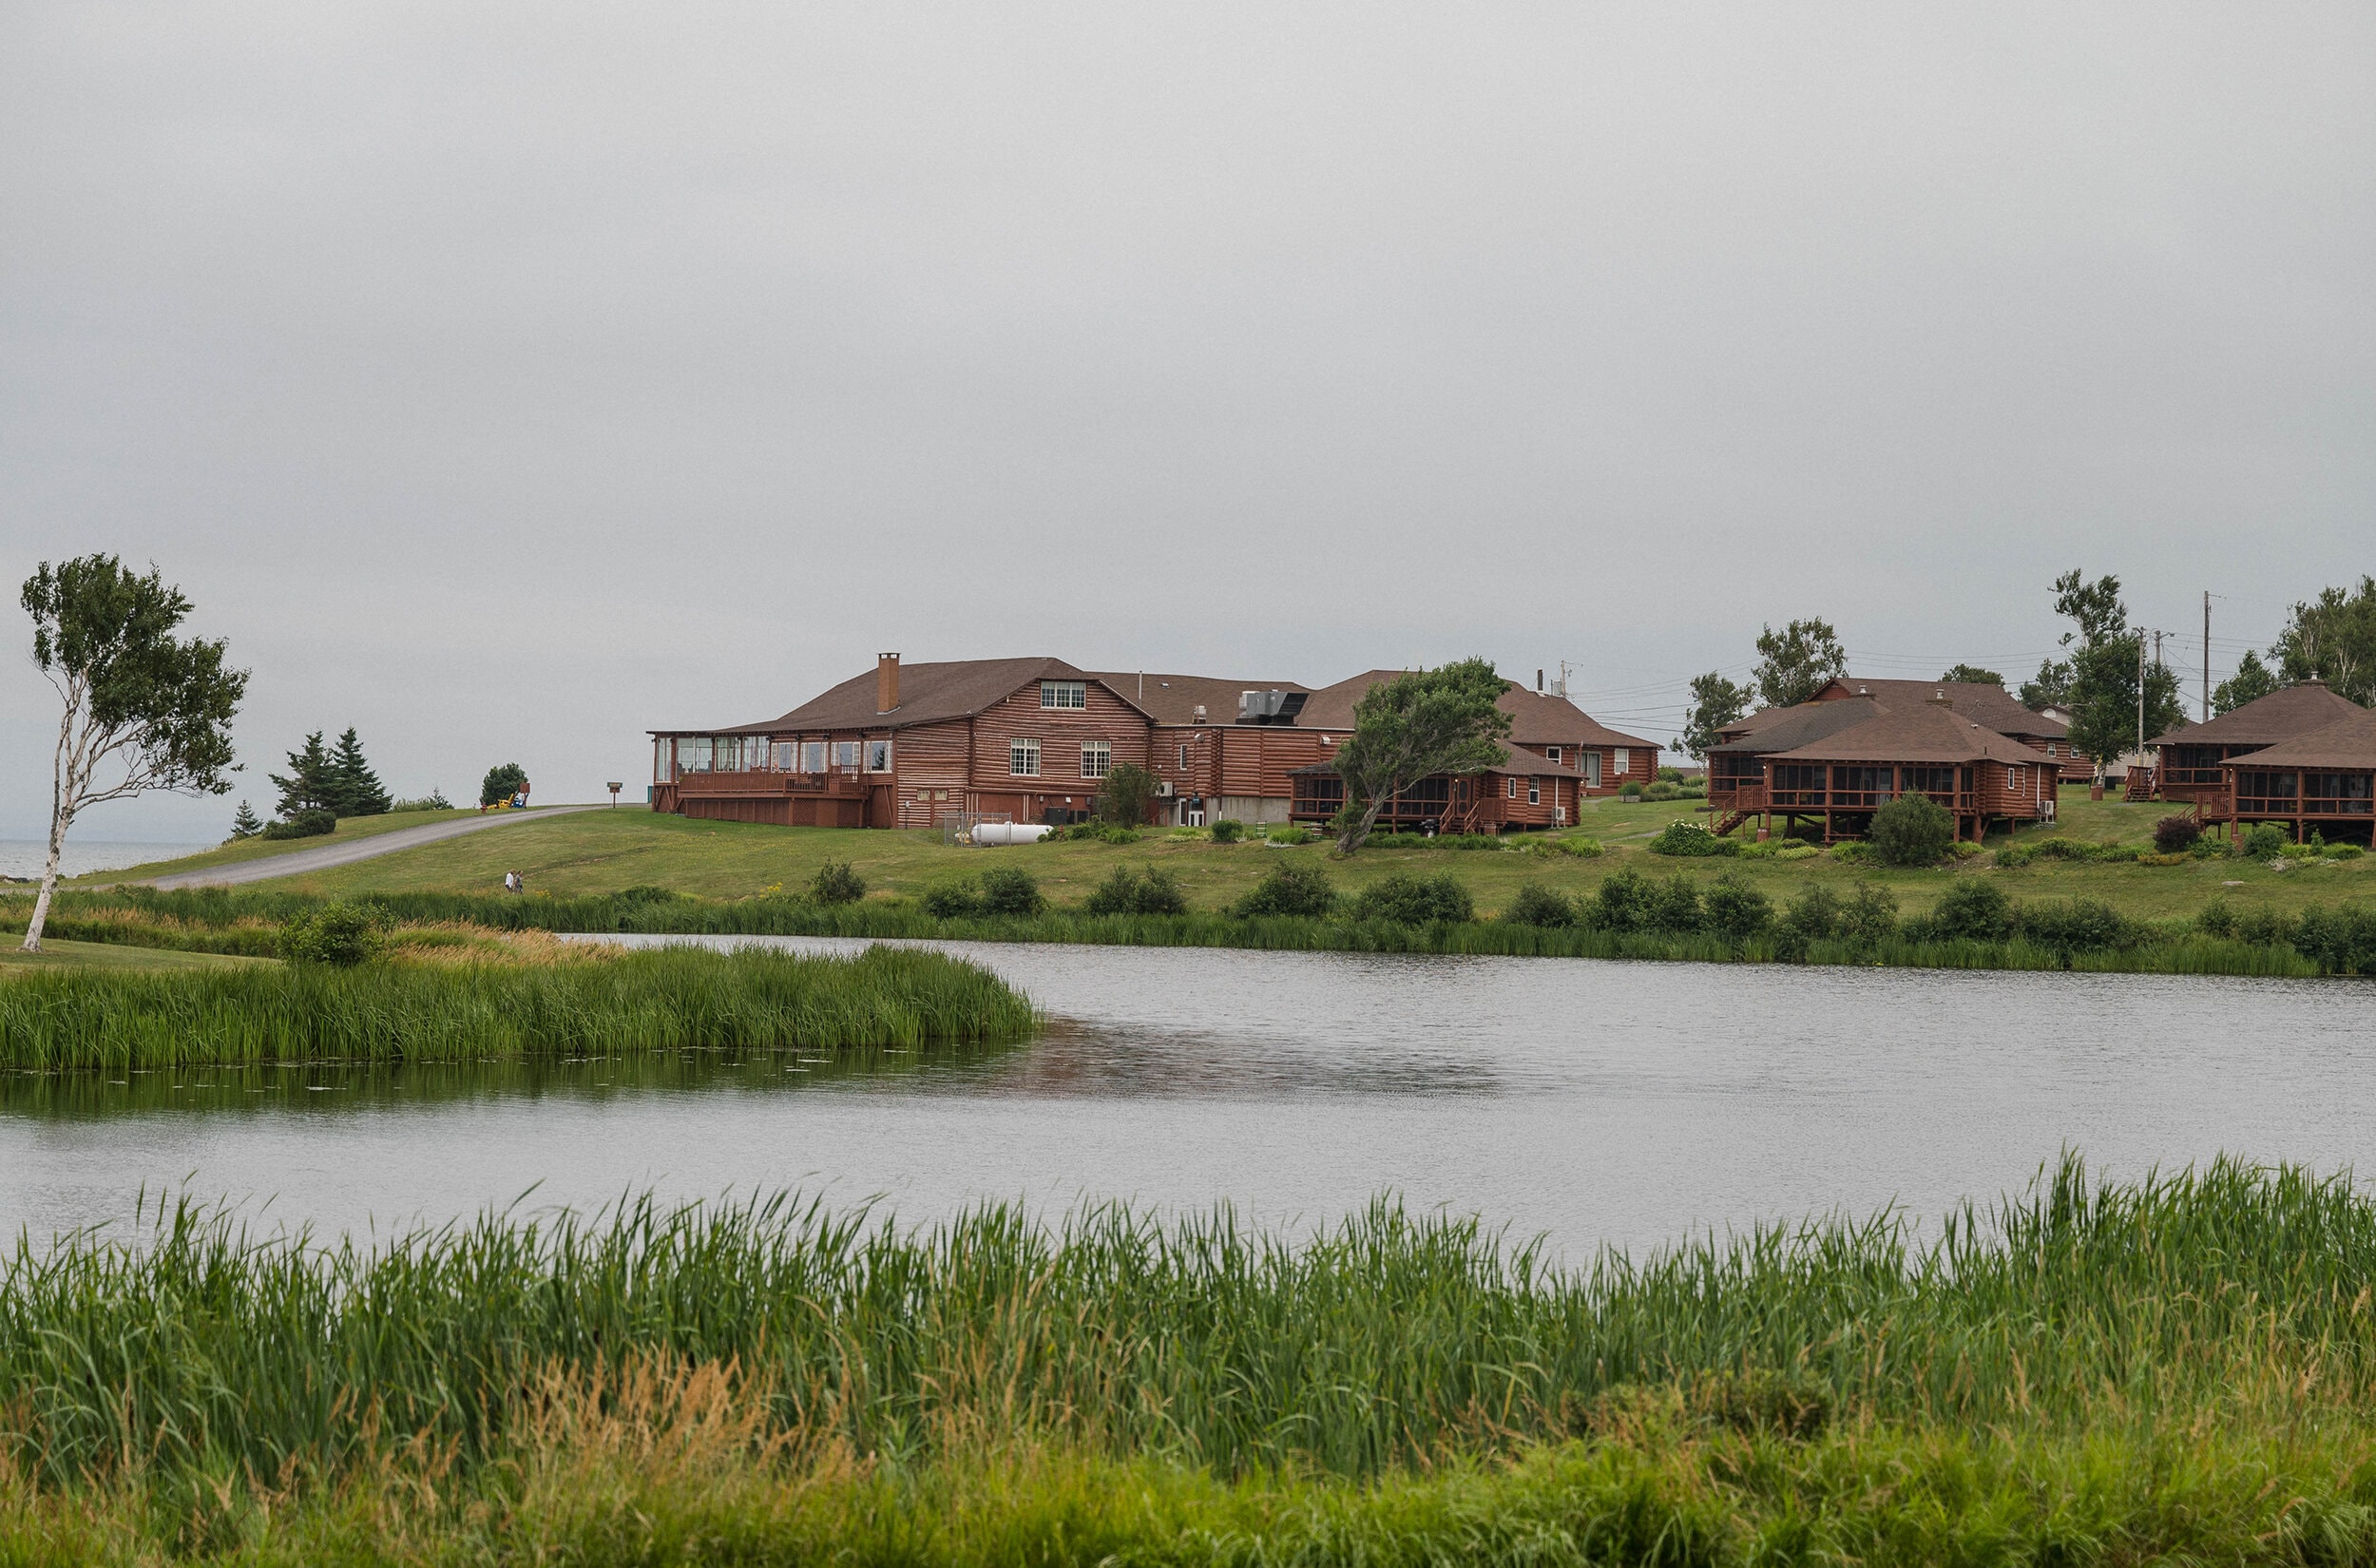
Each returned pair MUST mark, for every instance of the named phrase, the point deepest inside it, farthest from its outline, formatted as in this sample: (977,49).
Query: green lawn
(602,851)
(55,954)
(350,829)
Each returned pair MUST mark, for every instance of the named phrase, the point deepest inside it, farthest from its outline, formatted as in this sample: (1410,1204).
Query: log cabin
(1031,739)
(1523,790)
(2195,756)
(1983,702)
(2324,780)
(1836,761)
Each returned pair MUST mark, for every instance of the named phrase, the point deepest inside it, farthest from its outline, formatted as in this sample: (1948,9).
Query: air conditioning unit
(1164,788)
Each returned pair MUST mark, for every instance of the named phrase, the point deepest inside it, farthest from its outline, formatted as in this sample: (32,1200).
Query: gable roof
(2287,712)
(2348,745)
(1981,700)
(1537,719)
(958,688)
(1784,729)
(1923,734)
(1174,698)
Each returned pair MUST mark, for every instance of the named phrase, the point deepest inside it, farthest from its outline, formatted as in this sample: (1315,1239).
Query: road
(299,862)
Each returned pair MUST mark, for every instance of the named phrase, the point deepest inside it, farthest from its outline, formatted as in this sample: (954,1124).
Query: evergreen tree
(310,785)
(245,825)
(358,789)
(2250,682)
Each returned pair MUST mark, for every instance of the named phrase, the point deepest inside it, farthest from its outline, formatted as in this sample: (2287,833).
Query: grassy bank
(2084,1374)
(672,999)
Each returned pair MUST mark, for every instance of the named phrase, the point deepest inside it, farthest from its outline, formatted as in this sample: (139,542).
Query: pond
(1586,1101)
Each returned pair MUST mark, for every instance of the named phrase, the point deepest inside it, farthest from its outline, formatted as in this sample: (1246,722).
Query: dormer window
(1063,694)
(1551,752)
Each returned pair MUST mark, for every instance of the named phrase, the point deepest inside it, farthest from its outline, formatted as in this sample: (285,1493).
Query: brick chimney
(886,682)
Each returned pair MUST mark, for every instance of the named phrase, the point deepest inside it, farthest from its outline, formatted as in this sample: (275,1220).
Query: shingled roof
(1174,698)
(1537,719)
(2348,745)
(928,694)
(1784,729)
(2287,712)
(1924,733)
(1981,701)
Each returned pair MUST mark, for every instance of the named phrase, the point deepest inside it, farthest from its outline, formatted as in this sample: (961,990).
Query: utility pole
(2206,656)
(2140,760)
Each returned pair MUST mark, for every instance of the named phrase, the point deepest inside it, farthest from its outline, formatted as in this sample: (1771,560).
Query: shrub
(2262,841)
(2342,941)
(1097,832)
(1972,910)
(2344,852)
(2076,925)
(1011,891)
(1870,916)
(952,901)
(1290,890)
(1669,774)
(1684,836)
(1913,830)
(1127,796)
(1674,905)
(1759,848)
(1123,892)
(836,882)
(1658,789)
(645,892)
(1735,910)
(1630,789)
(1852,852)
(1813,917)
(1796,851)
(1537,904)
(311,823)
(502,782)
(340,934)
(1402,899)
(433,801)
(1623,903)
(2215,919)
(1228,831)
(1965,848)
(1294,832)
(2176,833)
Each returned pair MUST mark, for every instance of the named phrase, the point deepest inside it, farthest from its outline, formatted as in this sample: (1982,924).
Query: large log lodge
(1030,739)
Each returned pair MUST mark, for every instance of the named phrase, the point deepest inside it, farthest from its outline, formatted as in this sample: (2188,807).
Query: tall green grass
(666,999)
(1388,1342)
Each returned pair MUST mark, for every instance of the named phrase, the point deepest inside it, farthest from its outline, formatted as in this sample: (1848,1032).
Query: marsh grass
(672,998)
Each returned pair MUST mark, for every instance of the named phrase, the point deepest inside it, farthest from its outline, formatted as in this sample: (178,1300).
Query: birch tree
(143,711)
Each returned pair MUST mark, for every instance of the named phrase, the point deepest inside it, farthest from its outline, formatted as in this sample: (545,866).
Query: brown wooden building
(1523,790)
(2325,781)
(2195,756)
(1838,759)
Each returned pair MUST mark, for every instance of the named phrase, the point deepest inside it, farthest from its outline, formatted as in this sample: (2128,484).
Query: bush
(2262,841)
(2344,852)
(340,934)
(311,823)
(1913,830)
(1095,832)
(2077,925)
(1684,836)
(1970,910)
(433,801)
(1294,832)
(1658,789)
(1965,848)
(1630,789)
(1126,798)
(1735,910)
(1402,899)
(836,882)
(2342,941)
(952,901)
(1796,851)
(1813,917)
(1853,852)
(1302,891)
(1228,831)
(502,782)
(2216,919)
(2176,833)
(1870,916)
(1011,891)
(1537,904)
(1124,892)
(1675,906)
(1623,902)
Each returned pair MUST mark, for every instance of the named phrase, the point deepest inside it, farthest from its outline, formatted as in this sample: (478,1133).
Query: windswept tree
(1798,662)
(2252,682)
(2332,639)
(143,711)
(1972,674)
(1418,724)
(1716,703)
(2052,689)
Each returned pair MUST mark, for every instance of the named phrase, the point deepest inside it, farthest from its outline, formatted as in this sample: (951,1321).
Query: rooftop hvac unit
(1271,707)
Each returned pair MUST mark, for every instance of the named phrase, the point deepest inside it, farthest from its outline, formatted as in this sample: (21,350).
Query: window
(1551,752)
(1097,758)
(846,756)
(2013,776)
(1022,759)
(693,753)
(1183,759)
(1063,694)
(2050,748)
(780,757)
(813,757)
(663,762)
(1620,760)
(1512,782)
(878,756)
(1534,791)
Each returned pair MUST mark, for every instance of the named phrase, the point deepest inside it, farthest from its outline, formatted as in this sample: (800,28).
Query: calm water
(1623,1103)
(25,857)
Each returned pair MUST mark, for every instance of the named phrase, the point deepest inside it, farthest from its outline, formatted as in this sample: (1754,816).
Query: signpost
(614,795)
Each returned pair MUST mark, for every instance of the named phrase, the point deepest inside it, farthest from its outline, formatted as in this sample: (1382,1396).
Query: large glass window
(1097,758)
(727,757)
(1063,694)
(1022,759)
(780,757)
(813,757)
(846,756)
(693,753)
(878,756)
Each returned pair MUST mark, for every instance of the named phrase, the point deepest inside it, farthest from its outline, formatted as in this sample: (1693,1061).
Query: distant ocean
(23,857)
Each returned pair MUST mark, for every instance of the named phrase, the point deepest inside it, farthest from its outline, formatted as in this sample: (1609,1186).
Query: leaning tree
(143,710)
(1418,724)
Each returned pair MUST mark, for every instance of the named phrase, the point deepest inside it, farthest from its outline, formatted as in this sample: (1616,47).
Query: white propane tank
(1009,833)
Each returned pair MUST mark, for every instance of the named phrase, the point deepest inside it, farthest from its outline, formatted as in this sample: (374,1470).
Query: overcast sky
(506,381)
